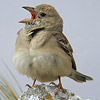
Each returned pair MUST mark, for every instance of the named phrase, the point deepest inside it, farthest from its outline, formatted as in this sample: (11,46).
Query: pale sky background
(82,28)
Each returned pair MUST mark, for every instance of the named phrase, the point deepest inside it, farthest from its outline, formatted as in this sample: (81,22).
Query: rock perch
(47,92)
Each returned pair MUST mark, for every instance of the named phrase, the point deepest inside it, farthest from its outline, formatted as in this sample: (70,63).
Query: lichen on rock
(47,92)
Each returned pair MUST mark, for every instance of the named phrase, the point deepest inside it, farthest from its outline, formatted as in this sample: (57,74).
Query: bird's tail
(79,77)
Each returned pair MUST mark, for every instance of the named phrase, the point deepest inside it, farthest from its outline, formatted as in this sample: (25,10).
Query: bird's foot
(34,86)
(59,86)
(28,86)
(53,84)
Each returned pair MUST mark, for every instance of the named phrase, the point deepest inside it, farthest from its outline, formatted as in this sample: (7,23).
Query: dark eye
(43,14)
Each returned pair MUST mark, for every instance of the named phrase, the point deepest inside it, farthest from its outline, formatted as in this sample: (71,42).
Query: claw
(28,86)
(53,84)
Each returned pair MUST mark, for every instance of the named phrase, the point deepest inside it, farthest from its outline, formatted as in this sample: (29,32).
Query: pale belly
(44,67)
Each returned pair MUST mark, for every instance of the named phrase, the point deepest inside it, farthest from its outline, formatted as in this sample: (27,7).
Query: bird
(42,51)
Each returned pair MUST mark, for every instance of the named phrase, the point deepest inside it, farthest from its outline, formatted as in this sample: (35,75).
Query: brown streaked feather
(65,45)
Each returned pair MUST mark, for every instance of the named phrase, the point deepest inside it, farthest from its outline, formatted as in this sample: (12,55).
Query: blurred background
(82,28)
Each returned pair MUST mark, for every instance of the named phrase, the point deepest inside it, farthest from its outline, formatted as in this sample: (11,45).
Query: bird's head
(43,16)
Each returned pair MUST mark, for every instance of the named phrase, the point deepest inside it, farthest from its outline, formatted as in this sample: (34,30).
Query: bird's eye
(43,14)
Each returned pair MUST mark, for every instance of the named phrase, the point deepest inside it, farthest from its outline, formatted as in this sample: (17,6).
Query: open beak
(33,15)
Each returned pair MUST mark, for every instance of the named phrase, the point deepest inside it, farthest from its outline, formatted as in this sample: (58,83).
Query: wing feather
(65,45)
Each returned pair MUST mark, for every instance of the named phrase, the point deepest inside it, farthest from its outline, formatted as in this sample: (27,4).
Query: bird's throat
(35,32)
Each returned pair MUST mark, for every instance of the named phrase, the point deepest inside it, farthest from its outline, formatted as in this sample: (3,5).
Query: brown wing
(65,45)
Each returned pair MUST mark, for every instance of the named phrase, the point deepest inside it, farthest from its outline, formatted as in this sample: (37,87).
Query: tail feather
(79,77)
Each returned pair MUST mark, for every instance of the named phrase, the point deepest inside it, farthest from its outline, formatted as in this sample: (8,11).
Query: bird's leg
(59,86)
(32,85)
